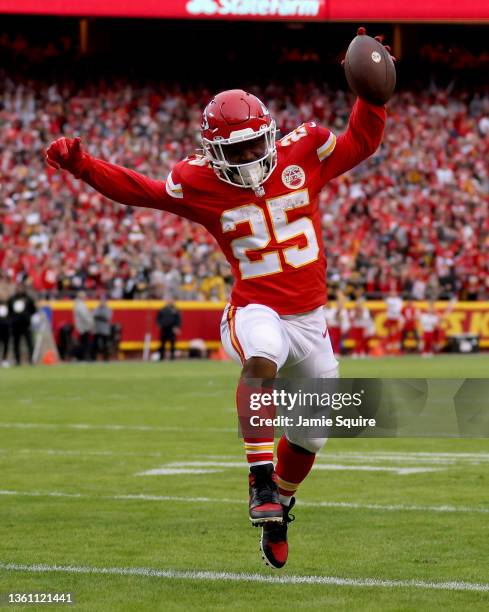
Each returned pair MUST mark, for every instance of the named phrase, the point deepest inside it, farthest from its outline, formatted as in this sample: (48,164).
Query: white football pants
(298,344)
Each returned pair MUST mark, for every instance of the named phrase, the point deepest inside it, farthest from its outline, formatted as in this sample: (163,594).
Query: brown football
(369,70)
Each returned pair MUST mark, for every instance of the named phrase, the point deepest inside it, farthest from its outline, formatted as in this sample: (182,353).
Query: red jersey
(273,241)
(410,316)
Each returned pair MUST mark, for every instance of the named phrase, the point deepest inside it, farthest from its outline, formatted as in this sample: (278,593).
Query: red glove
(66,153)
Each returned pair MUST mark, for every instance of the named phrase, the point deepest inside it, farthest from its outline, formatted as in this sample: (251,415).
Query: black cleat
(273,543)
(265,506)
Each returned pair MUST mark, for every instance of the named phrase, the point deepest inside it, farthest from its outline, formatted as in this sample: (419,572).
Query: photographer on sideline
(102,317)
(21,308)
(168,320)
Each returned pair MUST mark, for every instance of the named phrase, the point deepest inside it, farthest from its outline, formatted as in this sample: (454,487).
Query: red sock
(258,441)
(292,467)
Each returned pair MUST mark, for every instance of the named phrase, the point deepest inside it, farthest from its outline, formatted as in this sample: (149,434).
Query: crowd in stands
(413,218)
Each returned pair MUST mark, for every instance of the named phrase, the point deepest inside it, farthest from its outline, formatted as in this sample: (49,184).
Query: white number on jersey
(269,263)
(295,256)
(198,160)
(259,239)
(294,136)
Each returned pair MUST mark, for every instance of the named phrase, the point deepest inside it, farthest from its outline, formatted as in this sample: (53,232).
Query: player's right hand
(65,153)
(380,38)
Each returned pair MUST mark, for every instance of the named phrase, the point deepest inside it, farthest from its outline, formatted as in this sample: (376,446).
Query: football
(369,70)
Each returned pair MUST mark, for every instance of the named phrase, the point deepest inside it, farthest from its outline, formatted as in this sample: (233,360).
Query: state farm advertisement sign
(255,8)
(302,10)
(297,10)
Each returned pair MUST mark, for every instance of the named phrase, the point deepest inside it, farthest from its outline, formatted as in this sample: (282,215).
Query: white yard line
(175,471)
(400,470)
(410,454)
(434,458)
(75,453)
(182,467)
(171,574)
(443,459)
(424,459)
(397,456)
(223,500)
(112,427)
(42,494)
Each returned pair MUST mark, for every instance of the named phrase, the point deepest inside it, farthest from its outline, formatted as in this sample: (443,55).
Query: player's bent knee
(266,341)
(299,449)
(259,367)
(312,445)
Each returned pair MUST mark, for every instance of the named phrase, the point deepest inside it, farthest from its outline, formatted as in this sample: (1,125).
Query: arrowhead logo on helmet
(238,137)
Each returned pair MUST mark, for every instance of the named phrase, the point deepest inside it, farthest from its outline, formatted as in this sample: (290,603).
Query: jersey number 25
(260,237)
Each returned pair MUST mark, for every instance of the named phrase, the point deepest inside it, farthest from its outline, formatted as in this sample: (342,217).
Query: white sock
(285,500)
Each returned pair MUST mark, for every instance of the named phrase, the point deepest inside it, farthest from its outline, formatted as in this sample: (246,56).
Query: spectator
(410,317)
(440,335)
(168,320)
(337,322)
(4,324)
(429,321)
(360,328)
(102,317)
(65,341)
(83,325)
(418,222)
(21,309)
(393,322)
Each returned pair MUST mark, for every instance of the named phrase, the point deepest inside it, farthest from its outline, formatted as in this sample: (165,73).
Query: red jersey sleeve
(133,189)
(360,140)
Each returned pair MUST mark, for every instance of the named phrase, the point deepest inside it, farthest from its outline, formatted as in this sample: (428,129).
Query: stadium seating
(414,216)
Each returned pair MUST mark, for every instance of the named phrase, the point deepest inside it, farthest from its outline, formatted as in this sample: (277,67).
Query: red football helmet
(238,136)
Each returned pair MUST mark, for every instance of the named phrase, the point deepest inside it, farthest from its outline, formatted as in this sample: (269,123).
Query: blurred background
(406,233)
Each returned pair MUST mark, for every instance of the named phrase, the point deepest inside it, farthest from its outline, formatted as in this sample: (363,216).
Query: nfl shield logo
(293,177)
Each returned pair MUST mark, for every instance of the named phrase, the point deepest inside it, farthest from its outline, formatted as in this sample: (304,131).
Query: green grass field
(77,515)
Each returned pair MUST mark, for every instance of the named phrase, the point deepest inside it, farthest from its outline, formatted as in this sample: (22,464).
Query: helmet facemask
(223,154)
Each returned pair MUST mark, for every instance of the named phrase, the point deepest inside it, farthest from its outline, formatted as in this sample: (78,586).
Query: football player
(258,197)
(429,323)
(410,318)
(361,325)
(393,322)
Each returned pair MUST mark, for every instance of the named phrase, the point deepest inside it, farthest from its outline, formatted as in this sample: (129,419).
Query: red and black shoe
(273,543)
(265,506)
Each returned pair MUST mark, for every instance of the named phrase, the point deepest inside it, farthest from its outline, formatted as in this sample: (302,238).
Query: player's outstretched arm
(360,140)
(115,182)
(370,71)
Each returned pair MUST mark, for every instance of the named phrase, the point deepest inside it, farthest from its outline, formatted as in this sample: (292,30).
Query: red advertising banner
(297,10)
(414,10)
(201,320)
(464,318)
(138,318)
